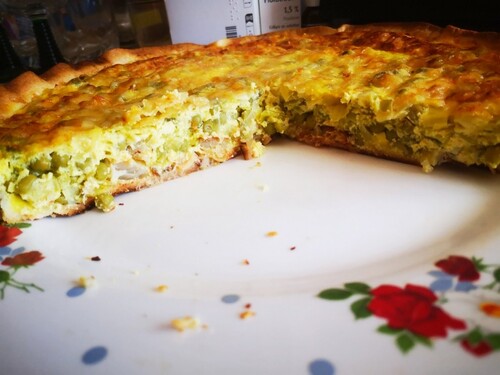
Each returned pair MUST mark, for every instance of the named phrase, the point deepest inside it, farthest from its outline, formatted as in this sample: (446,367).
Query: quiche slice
(77,136)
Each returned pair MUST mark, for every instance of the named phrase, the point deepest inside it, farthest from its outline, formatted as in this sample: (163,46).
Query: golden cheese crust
(426,40)
(133,118)
(28,85)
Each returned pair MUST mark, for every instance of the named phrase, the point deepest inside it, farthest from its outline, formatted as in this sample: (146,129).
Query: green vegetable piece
(85,164)
(41,165)
(210,126)
(377,128)
(391,135)
(62,200)
(105,202)
(103,170)
(196,121)
(59,161)
(24,186)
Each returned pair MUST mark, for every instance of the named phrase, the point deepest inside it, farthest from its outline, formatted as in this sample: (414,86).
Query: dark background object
(48,51)
(10,64)
(480,15)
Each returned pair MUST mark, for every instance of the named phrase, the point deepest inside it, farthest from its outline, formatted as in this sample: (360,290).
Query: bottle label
(279,14)
(205,22)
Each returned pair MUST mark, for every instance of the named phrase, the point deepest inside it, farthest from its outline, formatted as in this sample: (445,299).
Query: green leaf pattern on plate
(15,260)
(415,314)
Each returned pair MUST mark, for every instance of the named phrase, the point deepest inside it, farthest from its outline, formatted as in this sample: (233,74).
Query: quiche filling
(132,125)
(91,163)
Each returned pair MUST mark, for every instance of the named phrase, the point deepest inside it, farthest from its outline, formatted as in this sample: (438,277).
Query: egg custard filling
(80,135)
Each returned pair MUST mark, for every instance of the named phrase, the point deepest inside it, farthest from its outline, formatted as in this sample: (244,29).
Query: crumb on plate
(161,288)
(272,233)
(247,314)
(86,281)
(186,322)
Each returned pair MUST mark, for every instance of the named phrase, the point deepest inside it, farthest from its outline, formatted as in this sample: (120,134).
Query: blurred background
(481,15)
(35,35)
(83,29)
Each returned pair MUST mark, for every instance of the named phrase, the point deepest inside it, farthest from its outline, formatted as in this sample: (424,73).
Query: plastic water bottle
(48,51)
(28,23)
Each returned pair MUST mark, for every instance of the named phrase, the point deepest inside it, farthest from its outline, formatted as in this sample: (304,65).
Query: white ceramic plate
(305,261)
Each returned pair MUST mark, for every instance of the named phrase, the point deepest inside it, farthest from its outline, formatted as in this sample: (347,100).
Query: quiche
(77,136)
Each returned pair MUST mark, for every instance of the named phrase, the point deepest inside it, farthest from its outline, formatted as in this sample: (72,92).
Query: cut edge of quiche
(76,136)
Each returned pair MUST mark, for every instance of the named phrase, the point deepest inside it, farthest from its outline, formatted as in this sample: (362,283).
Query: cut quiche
(77,136)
